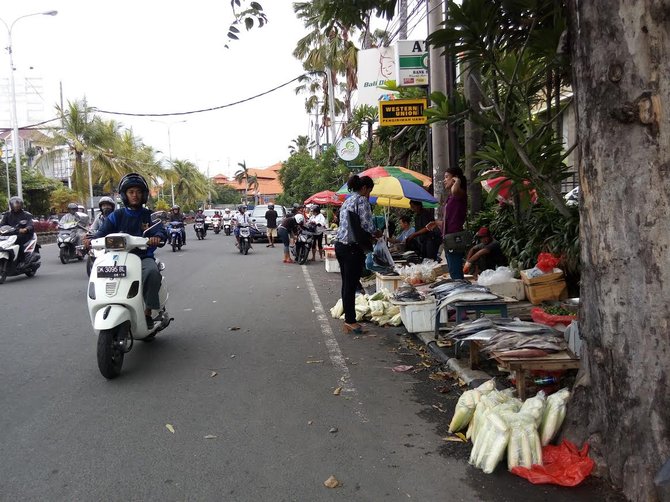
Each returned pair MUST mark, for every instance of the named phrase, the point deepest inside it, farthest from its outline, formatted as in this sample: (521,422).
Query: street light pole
(15,120)
(170,124)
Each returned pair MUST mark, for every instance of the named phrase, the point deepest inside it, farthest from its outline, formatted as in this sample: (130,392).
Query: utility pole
(438,82)
(402,10)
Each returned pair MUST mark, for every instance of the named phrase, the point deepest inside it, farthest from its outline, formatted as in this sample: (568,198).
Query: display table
(564,360)
(478,308)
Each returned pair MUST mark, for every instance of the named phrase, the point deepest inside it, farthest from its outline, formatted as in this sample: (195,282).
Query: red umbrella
(501,185)
(324,198)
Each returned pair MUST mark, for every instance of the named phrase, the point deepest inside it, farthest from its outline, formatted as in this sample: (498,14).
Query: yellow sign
(402,112)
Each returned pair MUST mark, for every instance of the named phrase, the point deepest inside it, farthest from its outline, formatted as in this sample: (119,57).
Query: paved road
(267,426)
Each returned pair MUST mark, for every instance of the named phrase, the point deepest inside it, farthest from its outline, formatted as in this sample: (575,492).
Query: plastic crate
(418,316)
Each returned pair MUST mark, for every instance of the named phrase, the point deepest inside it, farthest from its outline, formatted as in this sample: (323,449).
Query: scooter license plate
(112,271)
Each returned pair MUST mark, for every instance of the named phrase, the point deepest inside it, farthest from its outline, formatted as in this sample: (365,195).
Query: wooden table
(564,360)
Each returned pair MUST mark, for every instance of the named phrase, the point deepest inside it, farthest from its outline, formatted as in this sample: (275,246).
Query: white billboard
(375,67)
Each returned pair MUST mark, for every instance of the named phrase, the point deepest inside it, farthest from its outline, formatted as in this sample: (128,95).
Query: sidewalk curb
(471,377)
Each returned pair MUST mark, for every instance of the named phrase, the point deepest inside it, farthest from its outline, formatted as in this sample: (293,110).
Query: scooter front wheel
(3,270)
(63,255)
(303,254)
(110,353)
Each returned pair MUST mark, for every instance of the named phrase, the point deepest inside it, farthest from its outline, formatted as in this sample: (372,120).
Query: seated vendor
(406,229)
(485,255)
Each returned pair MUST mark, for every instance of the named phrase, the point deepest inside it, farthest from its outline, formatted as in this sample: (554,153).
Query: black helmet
(271,206)
(133,180)
(15,203)
(241,206)
(176,207)
(72,207)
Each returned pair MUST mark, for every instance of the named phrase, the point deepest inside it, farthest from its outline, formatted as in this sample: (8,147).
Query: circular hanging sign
(347,149)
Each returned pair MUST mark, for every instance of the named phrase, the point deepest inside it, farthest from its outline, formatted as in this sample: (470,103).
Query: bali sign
(411,63)
(375,68)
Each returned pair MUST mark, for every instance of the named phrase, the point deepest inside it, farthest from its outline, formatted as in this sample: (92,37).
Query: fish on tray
(467,296)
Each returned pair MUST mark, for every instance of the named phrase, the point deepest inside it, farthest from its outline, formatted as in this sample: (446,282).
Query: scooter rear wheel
(110,356)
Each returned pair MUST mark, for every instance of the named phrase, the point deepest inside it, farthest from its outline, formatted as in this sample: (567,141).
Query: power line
(191,112)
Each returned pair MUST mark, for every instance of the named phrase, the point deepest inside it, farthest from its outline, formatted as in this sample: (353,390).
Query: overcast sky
(166,56)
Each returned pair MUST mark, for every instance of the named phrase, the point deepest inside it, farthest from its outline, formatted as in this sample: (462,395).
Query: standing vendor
(486,255)
(426,236)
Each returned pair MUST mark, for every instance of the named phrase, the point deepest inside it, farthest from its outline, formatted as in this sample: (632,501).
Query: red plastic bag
(539,315)
(547,262)
(563,465)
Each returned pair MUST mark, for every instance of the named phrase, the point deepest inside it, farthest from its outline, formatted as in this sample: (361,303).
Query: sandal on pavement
(352,328)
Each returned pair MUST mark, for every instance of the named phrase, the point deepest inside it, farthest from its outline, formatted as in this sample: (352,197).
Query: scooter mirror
(159,215)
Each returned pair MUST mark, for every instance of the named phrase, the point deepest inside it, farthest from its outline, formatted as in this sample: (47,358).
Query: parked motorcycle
(116,302)
(69,241)
(9,253)
(227,226)
(176,235)
(200,230)
(216,225)
(303,245)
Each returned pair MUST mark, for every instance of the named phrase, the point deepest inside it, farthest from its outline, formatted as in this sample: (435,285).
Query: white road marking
(334,352)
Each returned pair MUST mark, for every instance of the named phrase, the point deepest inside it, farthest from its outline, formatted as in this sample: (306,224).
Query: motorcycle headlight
(115,242)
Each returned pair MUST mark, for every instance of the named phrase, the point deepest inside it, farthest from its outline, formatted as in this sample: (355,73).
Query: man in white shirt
(241,219)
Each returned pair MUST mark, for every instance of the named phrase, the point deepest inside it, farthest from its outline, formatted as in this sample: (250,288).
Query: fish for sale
(467,296)
(483,335)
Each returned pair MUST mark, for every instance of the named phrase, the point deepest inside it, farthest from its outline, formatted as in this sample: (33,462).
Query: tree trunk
(473,138)
(621,79)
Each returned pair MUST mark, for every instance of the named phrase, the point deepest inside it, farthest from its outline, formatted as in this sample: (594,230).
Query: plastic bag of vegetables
(524,448)
(338,310)
(491,443)
(465,408)
(488,402)
(534,406)
(554,413)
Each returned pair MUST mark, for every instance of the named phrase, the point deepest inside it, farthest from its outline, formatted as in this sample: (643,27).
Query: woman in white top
(318,220)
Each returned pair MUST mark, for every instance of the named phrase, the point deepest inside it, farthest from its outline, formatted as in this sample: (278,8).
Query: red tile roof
(268,180)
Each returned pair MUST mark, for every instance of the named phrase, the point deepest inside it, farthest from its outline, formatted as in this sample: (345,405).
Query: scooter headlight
(115,242)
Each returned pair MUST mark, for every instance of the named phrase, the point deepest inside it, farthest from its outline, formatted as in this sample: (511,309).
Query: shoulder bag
(458,242)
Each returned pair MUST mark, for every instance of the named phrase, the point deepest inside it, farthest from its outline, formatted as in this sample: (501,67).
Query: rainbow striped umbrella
(398,172)
(395,192)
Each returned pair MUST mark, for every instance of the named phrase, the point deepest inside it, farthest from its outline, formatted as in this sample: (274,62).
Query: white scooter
(116,302)
(9,254)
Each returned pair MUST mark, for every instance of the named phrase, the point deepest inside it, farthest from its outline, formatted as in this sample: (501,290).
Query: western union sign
(402,112)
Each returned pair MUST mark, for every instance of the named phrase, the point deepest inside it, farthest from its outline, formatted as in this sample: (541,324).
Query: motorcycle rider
(200,218)
(240,218)
(134,219)
(177,215)
(71,214)
(13,217)
(107,206)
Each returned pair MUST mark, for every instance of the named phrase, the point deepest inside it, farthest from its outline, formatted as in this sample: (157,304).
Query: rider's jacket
(133,222)
(13,219)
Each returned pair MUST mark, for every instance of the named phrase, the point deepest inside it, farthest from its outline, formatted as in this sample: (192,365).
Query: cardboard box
(514,288)
(388,282)
(546,292)
(549,277)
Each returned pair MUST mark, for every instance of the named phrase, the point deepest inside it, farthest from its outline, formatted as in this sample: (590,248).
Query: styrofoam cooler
(388,282)
(418,316)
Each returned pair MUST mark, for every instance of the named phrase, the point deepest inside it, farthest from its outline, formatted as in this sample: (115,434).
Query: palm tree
(299,144)
(368,115)
(242,175)
(190,184)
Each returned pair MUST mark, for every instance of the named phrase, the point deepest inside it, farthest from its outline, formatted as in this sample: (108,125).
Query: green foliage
(225,194)
(542,229)
(162,205)
(60,198)
(302,176)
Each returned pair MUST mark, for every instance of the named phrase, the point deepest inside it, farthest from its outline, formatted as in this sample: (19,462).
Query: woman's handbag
(363,238)
(458,242)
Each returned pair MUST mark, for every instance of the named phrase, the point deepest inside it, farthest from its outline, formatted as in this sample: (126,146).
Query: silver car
(258,214)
